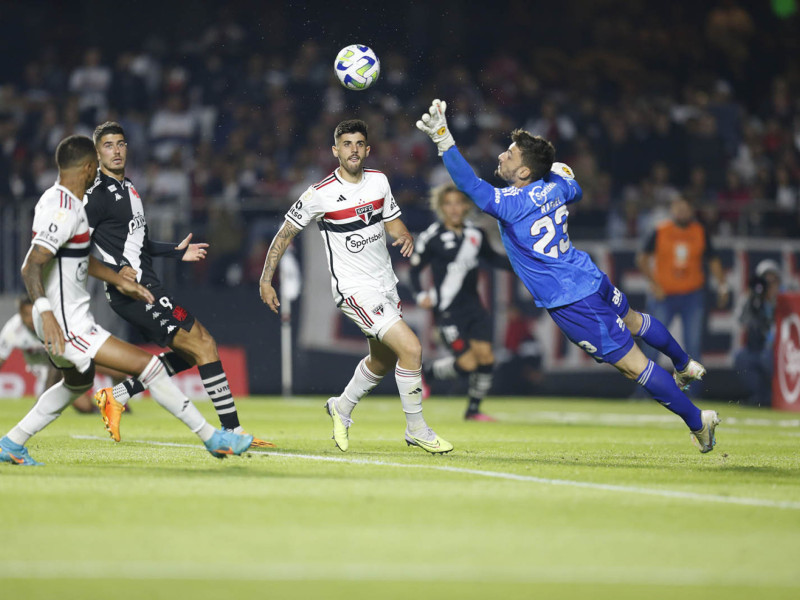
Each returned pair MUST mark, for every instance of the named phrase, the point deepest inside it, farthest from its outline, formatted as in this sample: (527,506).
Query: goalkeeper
(592,313)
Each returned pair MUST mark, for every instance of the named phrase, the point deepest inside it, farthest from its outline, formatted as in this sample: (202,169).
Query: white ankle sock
(409,385)
(166,393)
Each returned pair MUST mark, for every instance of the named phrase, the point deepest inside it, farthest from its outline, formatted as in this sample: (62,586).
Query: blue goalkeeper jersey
(533,226)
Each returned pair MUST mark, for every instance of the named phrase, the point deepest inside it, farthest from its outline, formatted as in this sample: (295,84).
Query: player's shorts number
(164,301)
(546,227)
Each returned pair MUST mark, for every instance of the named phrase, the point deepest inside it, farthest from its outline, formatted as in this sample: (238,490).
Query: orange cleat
(110,410)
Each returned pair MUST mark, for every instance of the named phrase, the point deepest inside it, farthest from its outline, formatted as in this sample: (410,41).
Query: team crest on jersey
(133,190)
(378,310)
(365,212)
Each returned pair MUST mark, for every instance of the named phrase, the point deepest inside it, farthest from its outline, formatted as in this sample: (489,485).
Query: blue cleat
(224,443)
(16,454)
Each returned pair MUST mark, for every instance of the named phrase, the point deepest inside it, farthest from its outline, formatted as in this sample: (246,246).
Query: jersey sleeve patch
(563,170)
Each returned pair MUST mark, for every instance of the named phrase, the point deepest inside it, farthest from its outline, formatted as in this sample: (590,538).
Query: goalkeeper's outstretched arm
(277,248)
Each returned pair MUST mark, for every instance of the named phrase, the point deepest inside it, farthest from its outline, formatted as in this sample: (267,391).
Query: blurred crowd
(645,102)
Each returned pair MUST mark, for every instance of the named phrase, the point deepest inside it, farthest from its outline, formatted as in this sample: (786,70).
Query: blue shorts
(595,323)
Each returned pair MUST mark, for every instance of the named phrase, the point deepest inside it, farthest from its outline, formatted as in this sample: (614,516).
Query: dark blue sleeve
(164,249)
(504,204)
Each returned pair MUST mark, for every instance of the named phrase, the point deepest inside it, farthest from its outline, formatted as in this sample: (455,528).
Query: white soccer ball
(357,67)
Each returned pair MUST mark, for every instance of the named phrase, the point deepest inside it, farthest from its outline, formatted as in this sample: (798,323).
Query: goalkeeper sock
(660,385)
(657,336)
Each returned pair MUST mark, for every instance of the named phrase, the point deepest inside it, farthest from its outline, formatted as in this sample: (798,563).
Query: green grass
(561,499)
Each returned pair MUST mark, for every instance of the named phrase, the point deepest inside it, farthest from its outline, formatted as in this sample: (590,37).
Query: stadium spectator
(673,261)
(753,362)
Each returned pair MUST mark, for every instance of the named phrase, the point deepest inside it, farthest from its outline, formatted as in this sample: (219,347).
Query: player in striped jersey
(453,248)
(354,208)
(55,272)
(120,235)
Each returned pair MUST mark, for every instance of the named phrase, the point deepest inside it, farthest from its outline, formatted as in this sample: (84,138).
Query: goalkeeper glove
(434,124)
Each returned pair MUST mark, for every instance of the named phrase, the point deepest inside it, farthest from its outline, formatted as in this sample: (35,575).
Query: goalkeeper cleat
(16,454)
(226,443)
(429,441)
(693,371)
(705,439)
(110,410)
(341,425)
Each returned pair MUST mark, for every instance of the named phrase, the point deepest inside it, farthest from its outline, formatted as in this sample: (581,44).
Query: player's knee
(633,321)
(410,352)
(468,361)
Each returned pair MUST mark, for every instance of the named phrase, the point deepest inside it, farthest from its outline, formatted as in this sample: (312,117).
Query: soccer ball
(357,67)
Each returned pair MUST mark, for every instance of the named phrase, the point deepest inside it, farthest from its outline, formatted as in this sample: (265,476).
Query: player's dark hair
(73,151)
(537,153)
(107,128)
(23,300)
(437,197)
(350,126)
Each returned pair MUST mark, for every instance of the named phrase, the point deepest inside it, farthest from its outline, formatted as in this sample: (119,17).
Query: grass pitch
(560,499)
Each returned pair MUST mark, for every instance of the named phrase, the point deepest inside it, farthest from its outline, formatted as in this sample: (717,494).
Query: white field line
(607,487)
(270,570)
(627,419)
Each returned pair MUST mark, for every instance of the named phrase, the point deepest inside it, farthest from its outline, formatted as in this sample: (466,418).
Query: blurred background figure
(753,363)
(18,333)
(674,260)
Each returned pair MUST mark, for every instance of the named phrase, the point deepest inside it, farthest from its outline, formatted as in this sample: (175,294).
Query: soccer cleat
(341,425)
(693,371)
(479,416)
(110,410)
(436,445)
(705,439)
(226,443)
(16,454)
(257,443)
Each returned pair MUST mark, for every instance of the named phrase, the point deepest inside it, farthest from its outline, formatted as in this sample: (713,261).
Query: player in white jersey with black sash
(354,208)
(454,247)
(55,272)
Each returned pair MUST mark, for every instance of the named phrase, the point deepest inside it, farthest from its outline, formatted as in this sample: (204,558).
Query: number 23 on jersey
(546,229)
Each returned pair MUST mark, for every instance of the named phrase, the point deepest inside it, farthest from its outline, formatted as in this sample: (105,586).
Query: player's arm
(401,236)
(277,249)
(186,251)
(572,191)
(35,261)
(419,260)
(100,271)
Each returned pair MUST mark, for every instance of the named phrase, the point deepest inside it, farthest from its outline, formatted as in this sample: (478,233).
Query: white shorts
(373,311)
(80,347)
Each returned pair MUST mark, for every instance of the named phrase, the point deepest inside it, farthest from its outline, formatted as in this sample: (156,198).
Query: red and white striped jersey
(60,225)
(350,217)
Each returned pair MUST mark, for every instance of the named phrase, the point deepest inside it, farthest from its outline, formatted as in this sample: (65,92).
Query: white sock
(46,410)
(409,385)
(445,368)
(166,393)
(361,384)
(121,394)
